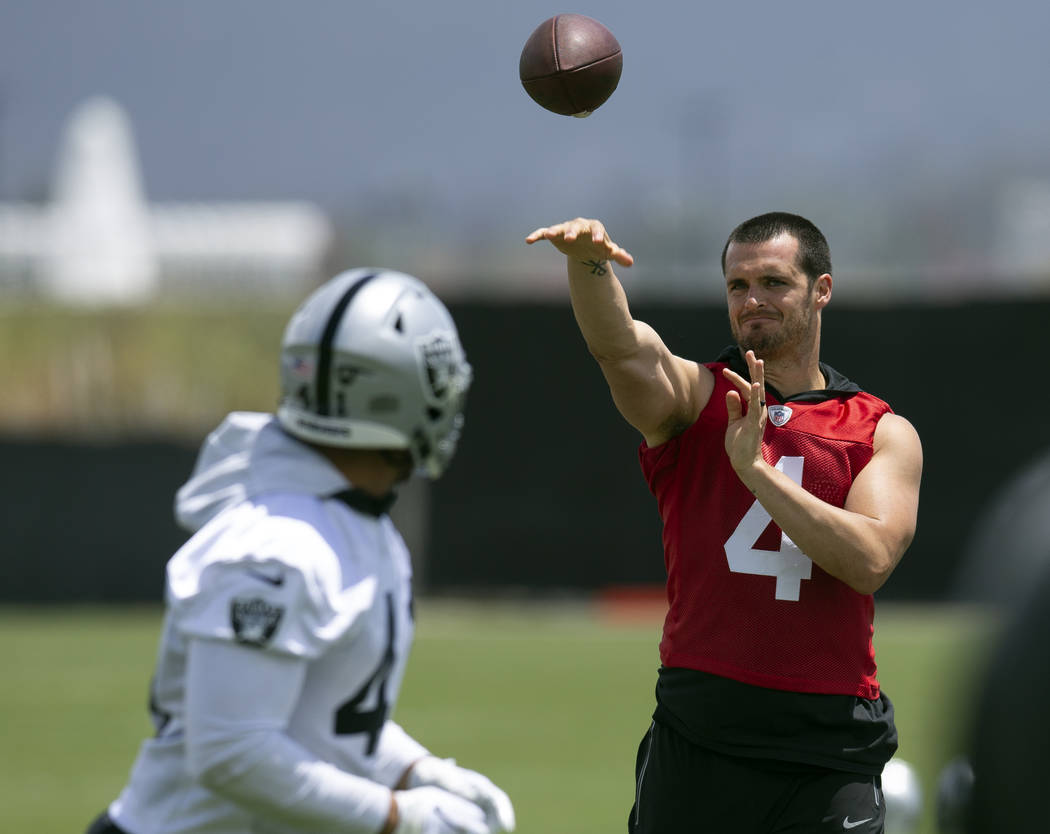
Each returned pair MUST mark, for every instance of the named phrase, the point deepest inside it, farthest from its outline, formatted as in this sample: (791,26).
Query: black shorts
(681,788)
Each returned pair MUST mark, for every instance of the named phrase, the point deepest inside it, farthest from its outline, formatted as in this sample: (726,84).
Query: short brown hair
(814,255)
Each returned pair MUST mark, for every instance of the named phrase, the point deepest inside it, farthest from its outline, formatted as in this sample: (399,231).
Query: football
(570,64)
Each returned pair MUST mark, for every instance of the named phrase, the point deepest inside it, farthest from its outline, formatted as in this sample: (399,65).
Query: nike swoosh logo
(277,580)
(847,824)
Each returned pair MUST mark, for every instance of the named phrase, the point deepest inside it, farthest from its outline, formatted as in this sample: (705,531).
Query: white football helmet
(371,359)
(903,794)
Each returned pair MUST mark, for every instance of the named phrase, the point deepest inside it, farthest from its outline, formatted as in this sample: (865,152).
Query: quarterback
(788,495)
(289,610)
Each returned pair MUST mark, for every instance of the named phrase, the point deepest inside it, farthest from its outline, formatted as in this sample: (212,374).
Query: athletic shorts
(681,788)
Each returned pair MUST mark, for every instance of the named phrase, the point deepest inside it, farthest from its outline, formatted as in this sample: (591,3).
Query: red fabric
(731,623)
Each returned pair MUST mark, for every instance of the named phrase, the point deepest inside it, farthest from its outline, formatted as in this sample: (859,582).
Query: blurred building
(1022,246)
(99,242)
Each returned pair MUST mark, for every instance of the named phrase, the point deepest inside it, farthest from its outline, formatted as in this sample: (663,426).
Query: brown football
(570,65)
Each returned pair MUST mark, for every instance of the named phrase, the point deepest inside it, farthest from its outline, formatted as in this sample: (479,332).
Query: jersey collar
(358,499)
(837,384)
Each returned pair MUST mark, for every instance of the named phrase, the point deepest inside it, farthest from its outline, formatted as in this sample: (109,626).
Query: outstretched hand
(744,433)
(584,240)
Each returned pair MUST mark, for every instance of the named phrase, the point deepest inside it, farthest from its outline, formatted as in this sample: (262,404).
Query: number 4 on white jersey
(788,564)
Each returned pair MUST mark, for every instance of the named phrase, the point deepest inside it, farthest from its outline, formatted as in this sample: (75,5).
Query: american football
(570,65)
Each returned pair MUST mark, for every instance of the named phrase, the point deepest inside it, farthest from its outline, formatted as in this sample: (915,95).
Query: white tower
(102,250)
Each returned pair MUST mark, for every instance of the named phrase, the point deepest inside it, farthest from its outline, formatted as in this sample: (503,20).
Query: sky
(899,127)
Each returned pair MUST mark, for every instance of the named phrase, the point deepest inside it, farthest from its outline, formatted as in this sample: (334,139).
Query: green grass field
(549,701)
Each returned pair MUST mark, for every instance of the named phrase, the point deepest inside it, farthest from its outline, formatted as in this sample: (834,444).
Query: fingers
(567,231)
(757,402)
(757,368)
(582,238)
(621,256)
(753,392)
(468,784)
(737,380)
(500,811)
(747,389)
(431,809)
(733,406)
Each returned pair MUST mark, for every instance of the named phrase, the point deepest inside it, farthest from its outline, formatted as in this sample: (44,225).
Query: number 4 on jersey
(352,717)
(788,564)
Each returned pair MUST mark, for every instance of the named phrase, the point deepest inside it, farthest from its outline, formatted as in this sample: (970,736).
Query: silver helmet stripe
(324,350)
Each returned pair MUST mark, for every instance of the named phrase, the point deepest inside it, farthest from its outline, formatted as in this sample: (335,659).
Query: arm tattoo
(597,267)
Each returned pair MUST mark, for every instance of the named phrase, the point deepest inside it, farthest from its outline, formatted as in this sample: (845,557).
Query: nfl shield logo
(779,414)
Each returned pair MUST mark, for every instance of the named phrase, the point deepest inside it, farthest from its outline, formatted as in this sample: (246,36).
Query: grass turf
(549,701)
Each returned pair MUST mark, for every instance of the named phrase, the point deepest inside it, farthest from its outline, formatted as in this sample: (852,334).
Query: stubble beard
(783,342)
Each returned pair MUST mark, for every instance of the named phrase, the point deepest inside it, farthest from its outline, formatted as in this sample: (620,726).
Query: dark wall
(88,522)
(546,491)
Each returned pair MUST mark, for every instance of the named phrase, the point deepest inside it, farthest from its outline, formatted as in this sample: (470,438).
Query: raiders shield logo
(439,360)
(779,414)
(254,620)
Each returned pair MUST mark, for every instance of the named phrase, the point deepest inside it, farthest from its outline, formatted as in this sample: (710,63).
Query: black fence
(545,493)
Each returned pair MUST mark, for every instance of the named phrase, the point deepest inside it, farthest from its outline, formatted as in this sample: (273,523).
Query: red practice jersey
(745,602)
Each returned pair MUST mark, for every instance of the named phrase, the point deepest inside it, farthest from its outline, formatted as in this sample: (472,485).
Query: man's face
(772,308)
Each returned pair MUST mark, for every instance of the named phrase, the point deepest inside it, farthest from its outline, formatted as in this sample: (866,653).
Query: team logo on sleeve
(779,414)
(254,620)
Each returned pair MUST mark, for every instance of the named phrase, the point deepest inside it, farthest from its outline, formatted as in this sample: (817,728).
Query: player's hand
(435,811)
(583,239)
(744,433)
(445,773)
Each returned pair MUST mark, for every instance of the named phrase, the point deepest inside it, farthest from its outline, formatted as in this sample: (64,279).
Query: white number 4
(788,564)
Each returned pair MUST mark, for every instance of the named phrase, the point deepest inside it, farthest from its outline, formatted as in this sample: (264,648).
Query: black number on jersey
(161,718)
(350,718)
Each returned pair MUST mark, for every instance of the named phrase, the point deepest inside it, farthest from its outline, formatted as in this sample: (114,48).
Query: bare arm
(859,543)
(656,392)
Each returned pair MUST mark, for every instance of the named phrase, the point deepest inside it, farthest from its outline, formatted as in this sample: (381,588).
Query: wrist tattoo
(597,267)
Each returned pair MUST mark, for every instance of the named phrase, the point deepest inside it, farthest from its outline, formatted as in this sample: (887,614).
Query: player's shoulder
(894,430)
(284,527)
(275,560)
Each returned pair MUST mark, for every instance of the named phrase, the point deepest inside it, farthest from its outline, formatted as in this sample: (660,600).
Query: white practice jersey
(278,572)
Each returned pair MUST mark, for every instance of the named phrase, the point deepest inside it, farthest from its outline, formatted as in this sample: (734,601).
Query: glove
(434,811)
(444,773)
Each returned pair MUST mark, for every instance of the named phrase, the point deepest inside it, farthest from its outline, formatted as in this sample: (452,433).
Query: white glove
(444,773)
(434,811)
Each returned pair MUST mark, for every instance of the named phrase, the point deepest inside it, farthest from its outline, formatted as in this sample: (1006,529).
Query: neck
(792,381)
(796,370)
(366,469)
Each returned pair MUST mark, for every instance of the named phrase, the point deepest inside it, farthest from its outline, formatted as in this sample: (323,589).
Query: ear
(822,291)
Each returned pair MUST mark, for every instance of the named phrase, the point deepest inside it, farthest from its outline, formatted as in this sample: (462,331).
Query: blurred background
(175,177)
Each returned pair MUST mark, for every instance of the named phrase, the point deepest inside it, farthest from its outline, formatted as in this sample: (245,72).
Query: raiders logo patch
(439,360)
(254,620)
(779,414)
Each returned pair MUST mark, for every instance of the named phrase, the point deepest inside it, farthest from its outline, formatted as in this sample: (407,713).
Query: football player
(788,495)
(289,610)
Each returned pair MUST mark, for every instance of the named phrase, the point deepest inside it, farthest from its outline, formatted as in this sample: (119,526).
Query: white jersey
(296,610)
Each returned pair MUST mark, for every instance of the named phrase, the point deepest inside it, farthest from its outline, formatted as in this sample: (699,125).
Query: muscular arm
(859,543)
(656,392)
